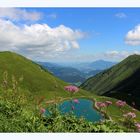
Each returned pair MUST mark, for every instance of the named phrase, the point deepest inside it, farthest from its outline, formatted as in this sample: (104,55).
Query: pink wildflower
(130,115)
(76,101)
(138,127)
(72,89)
(42,110)
(120,103)
(100,104)
(103,105)
(108,103)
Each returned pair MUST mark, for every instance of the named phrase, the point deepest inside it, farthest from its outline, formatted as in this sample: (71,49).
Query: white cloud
(133,37)
(38,41)
(116,54)
(16,14)
(121,15)
(119,55)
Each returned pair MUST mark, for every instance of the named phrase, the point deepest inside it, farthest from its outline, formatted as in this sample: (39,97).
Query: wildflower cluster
(71,88)
(103,104)
(100,104)
(108,103)
(120,103)
(130,115)
(137,127)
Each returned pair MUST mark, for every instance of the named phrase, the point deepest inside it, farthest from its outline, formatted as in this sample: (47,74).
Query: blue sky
(104,32)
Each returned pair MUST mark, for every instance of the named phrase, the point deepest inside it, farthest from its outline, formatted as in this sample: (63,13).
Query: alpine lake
(84,108)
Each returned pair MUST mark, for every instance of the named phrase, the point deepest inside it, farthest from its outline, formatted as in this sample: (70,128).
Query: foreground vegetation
(20,113)
(16,115)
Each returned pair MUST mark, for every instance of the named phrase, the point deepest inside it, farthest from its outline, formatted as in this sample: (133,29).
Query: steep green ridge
(121,81)
(36,80)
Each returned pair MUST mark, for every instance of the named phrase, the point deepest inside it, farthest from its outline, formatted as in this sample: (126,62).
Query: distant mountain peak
(102,64)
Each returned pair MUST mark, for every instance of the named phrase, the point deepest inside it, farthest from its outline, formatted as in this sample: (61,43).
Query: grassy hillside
(120,81)
(36,80)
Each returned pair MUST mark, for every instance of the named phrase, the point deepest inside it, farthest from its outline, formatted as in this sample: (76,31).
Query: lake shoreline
(103,114)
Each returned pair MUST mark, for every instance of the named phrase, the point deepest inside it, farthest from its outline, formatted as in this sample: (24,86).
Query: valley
(76,73)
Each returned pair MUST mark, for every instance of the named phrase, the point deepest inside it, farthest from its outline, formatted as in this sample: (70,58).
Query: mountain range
(89,66)
(76,73)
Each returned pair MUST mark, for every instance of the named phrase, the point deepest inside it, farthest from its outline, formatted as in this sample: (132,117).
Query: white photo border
(69,3)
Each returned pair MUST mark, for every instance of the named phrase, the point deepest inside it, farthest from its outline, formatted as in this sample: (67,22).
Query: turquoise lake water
(82,109)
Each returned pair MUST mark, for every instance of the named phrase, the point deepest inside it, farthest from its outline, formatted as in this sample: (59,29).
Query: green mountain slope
(36,80)
(121,81)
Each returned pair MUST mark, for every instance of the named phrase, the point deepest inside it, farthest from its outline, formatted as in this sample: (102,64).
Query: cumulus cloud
(38,41)
(16,14)
(121,15)
(133,37)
